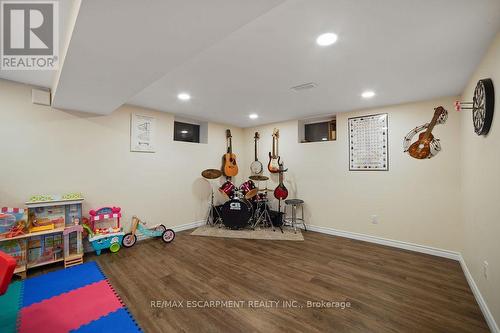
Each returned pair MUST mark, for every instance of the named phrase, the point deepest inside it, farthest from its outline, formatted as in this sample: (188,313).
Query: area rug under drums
(267,234)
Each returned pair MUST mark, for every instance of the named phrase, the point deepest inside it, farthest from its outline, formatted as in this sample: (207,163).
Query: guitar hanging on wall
(482,106)
(256,167)
(426,146)
(281,192)
(274,159)
(229,167)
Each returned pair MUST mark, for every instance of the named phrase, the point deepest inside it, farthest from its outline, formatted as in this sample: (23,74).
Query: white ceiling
(237,57)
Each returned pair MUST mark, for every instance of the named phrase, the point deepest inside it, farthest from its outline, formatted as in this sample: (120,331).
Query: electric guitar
(274,160)
(281,192)
(426,143)
(256,167)
(230,167)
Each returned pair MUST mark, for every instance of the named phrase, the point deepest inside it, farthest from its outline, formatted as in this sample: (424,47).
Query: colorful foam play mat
(77,299)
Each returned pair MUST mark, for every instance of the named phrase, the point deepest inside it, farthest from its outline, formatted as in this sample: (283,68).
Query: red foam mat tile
(69,310)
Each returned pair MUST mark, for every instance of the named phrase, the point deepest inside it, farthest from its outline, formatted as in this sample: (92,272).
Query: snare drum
(227,190)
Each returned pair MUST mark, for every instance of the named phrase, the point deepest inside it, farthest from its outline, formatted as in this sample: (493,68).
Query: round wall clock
(483,106)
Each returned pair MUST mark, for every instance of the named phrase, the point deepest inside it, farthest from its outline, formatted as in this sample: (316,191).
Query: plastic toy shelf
(44,263)
(31,204)
(34,234)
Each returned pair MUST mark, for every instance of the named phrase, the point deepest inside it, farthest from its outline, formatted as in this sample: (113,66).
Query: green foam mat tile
(10,304)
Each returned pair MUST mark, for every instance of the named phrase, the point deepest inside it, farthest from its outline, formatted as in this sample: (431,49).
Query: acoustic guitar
(421,148)
(229,167)
(281,192)
(274,160)
(256,167)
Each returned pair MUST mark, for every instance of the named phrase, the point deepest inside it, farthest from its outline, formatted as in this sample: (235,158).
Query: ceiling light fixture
(368,94)
(184,96)
(326,39)
(253,116)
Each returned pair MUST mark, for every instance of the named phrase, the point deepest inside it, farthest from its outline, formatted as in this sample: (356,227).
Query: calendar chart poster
(368,143)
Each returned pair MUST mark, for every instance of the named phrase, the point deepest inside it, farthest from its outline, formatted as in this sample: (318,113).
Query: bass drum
(236,213)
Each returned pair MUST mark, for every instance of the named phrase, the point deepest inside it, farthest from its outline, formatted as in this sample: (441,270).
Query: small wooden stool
(294,220)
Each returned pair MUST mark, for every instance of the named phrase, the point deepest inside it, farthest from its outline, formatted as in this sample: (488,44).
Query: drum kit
(244,206)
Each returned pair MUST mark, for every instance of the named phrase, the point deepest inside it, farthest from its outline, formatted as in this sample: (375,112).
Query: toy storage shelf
(34,234)
(44,263)
(67,211)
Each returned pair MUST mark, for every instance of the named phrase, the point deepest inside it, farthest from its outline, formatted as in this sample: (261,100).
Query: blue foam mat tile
(118,321)
(48,285)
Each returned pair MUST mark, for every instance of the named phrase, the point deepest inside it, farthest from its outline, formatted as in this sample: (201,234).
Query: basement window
(188,130)
(318,130)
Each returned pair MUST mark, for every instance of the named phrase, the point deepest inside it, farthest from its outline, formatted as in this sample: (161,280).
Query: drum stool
(294,220)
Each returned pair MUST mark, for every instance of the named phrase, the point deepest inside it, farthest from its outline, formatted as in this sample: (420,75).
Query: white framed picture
(368,143)
(142,133)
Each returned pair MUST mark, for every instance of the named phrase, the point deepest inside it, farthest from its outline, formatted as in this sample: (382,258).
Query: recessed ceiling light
(368,94)
(184,96)
(253,116)
(326,39)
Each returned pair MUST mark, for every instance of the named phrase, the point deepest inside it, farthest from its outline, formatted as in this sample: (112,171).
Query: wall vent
(304,86)
(40,96)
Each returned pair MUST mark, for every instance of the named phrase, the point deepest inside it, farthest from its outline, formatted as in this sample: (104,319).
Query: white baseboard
(388,242)
(490,320)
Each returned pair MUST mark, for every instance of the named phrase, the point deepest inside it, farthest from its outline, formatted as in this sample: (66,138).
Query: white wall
(416,201)
(480,166)
(44,150)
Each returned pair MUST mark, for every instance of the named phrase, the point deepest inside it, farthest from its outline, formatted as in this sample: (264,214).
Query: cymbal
(211,173)
(259,178)
(265,190)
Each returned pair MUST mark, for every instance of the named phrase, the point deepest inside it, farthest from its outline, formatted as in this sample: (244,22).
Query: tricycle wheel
(115,247)
(129,240)
(168,236)
(161,228)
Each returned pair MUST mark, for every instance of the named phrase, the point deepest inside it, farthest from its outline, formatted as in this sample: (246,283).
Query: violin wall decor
(426,146)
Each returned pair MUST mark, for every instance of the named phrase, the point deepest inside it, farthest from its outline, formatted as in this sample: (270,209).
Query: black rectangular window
(186,132)
(323,131)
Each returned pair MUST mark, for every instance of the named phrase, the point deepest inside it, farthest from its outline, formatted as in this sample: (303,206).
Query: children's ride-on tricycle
(160,230)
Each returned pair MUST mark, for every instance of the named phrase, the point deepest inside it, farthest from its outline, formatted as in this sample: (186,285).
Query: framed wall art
(368,143)
(142,133)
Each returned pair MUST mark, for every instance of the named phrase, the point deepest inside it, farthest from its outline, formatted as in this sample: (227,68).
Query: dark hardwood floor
(389,290)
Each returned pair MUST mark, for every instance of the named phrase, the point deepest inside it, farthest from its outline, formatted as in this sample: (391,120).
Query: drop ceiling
(237,57)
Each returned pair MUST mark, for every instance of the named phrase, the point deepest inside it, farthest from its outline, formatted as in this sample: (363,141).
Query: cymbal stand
(262,216)
(213,216)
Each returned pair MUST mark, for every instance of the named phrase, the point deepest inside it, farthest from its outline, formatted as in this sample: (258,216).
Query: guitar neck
(230,146)
(255,149)
(431,126)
